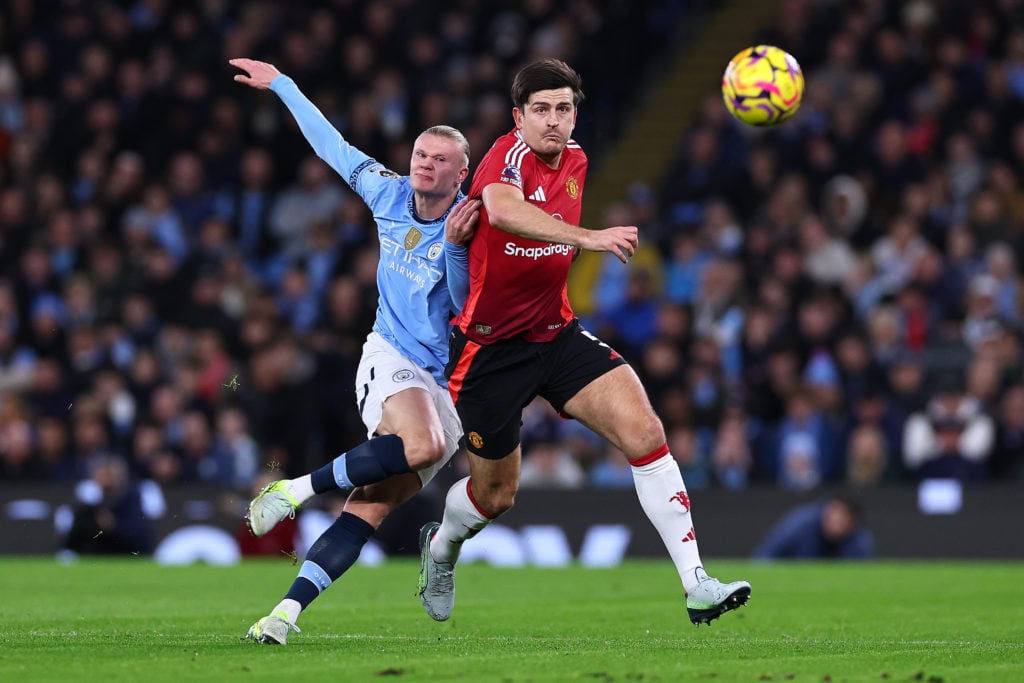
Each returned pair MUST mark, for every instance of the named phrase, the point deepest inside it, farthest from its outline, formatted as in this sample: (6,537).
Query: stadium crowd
(185,286)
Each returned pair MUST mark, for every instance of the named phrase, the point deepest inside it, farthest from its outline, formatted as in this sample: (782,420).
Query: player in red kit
(517,337)
(518,284)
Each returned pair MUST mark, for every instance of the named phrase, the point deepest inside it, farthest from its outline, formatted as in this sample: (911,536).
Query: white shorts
(382,373)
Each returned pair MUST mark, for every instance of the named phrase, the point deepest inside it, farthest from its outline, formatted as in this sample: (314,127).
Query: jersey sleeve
(363,173)
(501,164)
(456,262)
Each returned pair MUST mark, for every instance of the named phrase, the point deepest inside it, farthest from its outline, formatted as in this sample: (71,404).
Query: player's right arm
(508,210)
(326,141)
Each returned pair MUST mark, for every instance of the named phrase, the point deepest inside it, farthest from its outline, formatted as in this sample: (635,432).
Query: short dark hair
(546,74)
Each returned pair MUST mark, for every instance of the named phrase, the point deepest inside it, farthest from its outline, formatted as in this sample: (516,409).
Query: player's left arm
(458,232)
(508,210)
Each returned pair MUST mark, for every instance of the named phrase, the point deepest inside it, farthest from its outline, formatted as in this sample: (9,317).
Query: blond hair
(453,134)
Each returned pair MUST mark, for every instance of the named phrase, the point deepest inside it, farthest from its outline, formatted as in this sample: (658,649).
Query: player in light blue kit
(403,399)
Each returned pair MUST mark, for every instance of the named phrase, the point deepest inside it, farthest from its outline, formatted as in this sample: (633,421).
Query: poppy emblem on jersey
(412,238)
(402,376)
(434,251)
(513,176)
(385,173)
(572,187)
(475,439)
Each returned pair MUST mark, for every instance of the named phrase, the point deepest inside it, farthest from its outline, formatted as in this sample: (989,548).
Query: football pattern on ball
(763,85)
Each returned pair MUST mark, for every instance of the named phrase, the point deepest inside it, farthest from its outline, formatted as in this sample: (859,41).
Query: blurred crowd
(183,285)
(186,288)
(838,300)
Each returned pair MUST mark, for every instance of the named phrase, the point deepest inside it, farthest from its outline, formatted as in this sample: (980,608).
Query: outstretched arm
(508,210)
(325,139)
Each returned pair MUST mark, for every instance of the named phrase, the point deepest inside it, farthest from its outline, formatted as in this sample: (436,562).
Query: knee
(643,436)
(423,449)
(495,497)
(372,512)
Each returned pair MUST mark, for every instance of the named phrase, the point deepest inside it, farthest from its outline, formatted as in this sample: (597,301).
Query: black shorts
(491,384)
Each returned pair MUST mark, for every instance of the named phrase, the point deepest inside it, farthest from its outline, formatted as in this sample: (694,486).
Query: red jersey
(517,286)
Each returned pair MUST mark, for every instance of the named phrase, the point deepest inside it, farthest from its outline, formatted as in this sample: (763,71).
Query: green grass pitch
(131,620)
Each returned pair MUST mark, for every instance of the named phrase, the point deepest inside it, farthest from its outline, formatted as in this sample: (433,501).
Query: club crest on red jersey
(572,187)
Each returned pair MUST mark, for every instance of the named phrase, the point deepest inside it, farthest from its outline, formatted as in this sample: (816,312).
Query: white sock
(301,489)
(659,485)
(287,609)
(462,520)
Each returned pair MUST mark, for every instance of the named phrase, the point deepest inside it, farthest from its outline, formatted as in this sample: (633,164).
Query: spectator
(612,471)
(18,461)
(731,459)
(547,465)
(685,270)
(312,199)
(982,309)
(690,452)
(951,438)
(999,263)
(829,529)
(827,260)
(867,457)
(109,516)
(806,448)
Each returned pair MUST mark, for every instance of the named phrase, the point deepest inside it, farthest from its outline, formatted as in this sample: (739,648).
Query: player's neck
(432,207)
(551,161)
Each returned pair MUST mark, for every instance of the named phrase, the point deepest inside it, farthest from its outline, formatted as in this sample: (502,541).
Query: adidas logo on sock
(690,536)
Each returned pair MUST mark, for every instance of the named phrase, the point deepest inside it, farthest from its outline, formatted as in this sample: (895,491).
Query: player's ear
(462,174)
(517,116)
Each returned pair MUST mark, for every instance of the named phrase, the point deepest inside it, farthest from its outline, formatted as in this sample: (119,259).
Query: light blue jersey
(414,304)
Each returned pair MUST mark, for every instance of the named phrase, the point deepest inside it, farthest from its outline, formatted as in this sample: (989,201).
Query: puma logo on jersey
(538,195)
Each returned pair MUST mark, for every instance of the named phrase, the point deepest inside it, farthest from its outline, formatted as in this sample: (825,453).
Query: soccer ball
(762,86)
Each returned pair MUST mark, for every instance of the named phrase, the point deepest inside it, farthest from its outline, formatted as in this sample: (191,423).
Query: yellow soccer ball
(763,85)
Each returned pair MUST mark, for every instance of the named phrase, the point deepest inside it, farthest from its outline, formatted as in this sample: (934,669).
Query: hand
(461,224)
(620,240)
(259,75)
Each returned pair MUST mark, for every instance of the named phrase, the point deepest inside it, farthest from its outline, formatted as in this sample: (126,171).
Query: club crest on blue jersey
(402,376)
(513,176)
(412,238)
(434,251)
